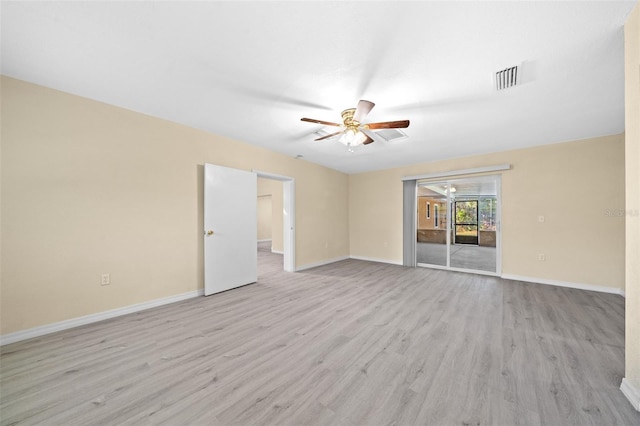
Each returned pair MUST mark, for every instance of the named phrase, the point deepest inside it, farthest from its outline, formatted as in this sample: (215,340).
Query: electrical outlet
(105,279)
(541,219)
(542,257)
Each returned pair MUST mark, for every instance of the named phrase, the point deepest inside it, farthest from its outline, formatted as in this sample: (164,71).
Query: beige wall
(632,158)
(265,213)
(89,188)
(583,241)
(274,189)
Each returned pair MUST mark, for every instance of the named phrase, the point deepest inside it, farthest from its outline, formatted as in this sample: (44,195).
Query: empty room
(320,213)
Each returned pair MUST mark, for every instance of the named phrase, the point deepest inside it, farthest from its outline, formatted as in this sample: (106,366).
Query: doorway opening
(275,217)
(269,230)
(458,224)
(230,226)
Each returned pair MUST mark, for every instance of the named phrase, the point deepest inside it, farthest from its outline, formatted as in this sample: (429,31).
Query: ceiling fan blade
(363,109)
(389,125)
(368,140)
(329,136)
(326,123)
(369,134)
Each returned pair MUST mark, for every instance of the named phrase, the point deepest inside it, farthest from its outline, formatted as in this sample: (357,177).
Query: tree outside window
(487,214)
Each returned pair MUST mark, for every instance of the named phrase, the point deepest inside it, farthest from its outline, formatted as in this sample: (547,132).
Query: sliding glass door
(457,224)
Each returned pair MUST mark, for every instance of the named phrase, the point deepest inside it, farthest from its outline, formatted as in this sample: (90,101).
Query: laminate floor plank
(351,343)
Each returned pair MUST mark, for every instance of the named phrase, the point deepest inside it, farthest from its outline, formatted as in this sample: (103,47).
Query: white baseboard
(88,319)
(322,263)
(276,251)
(631,392)
(264,241)
(373,259)
(580,286)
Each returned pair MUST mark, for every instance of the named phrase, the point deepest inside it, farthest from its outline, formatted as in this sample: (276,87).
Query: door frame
(288,218)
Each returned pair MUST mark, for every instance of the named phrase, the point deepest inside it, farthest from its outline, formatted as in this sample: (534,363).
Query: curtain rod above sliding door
(487,169)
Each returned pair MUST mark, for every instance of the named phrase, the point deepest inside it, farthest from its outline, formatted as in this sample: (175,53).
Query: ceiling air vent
(506,78)
(391,134)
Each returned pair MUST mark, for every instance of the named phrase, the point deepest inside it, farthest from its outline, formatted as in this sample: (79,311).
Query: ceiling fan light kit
(353,132)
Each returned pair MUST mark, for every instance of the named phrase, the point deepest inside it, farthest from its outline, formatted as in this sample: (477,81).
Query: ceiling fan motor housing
(347,117)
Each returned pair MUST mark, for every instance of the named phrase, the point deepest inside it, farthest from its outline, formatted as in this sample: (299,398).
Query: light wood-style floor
(464,256)
(352,343)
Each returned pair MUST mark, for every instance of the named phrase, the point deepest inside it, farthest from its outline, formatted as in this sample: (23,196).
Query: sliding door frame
(497,178)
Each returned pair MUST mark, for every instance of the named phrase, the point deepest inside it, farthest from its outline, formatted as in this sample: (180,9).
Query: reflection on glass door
(432,225)
(457,224)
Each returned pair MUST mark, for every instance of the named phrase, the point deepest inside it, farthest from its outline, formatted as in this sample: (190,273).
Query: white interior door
(230,228)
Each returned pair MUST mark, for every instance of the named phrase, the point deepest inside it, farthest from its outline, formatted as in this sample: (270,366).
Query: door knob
(209,232)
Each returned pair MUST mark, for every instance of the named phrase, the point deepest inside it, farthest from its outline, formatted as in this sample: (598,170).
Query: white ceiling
(251,70)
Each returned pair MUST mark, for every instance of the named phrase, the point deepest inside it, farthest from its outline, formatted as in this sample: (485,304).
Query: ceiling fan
(353,131)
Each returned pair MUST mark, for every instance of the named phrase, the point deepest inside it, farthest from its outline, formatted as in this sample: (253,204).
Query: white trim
(321,263)
(375,259)
(273,176)
(631,392)
(289,225)
(580,286)
(277,251)
(264,241)
(88,319)
(487,169)
(498,219)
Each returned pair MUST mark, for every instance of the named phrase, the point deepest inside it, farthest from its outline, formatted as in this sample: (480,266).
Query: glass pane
(467,212)
(474,243)
(466,222)
(431,244)
(488,214)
